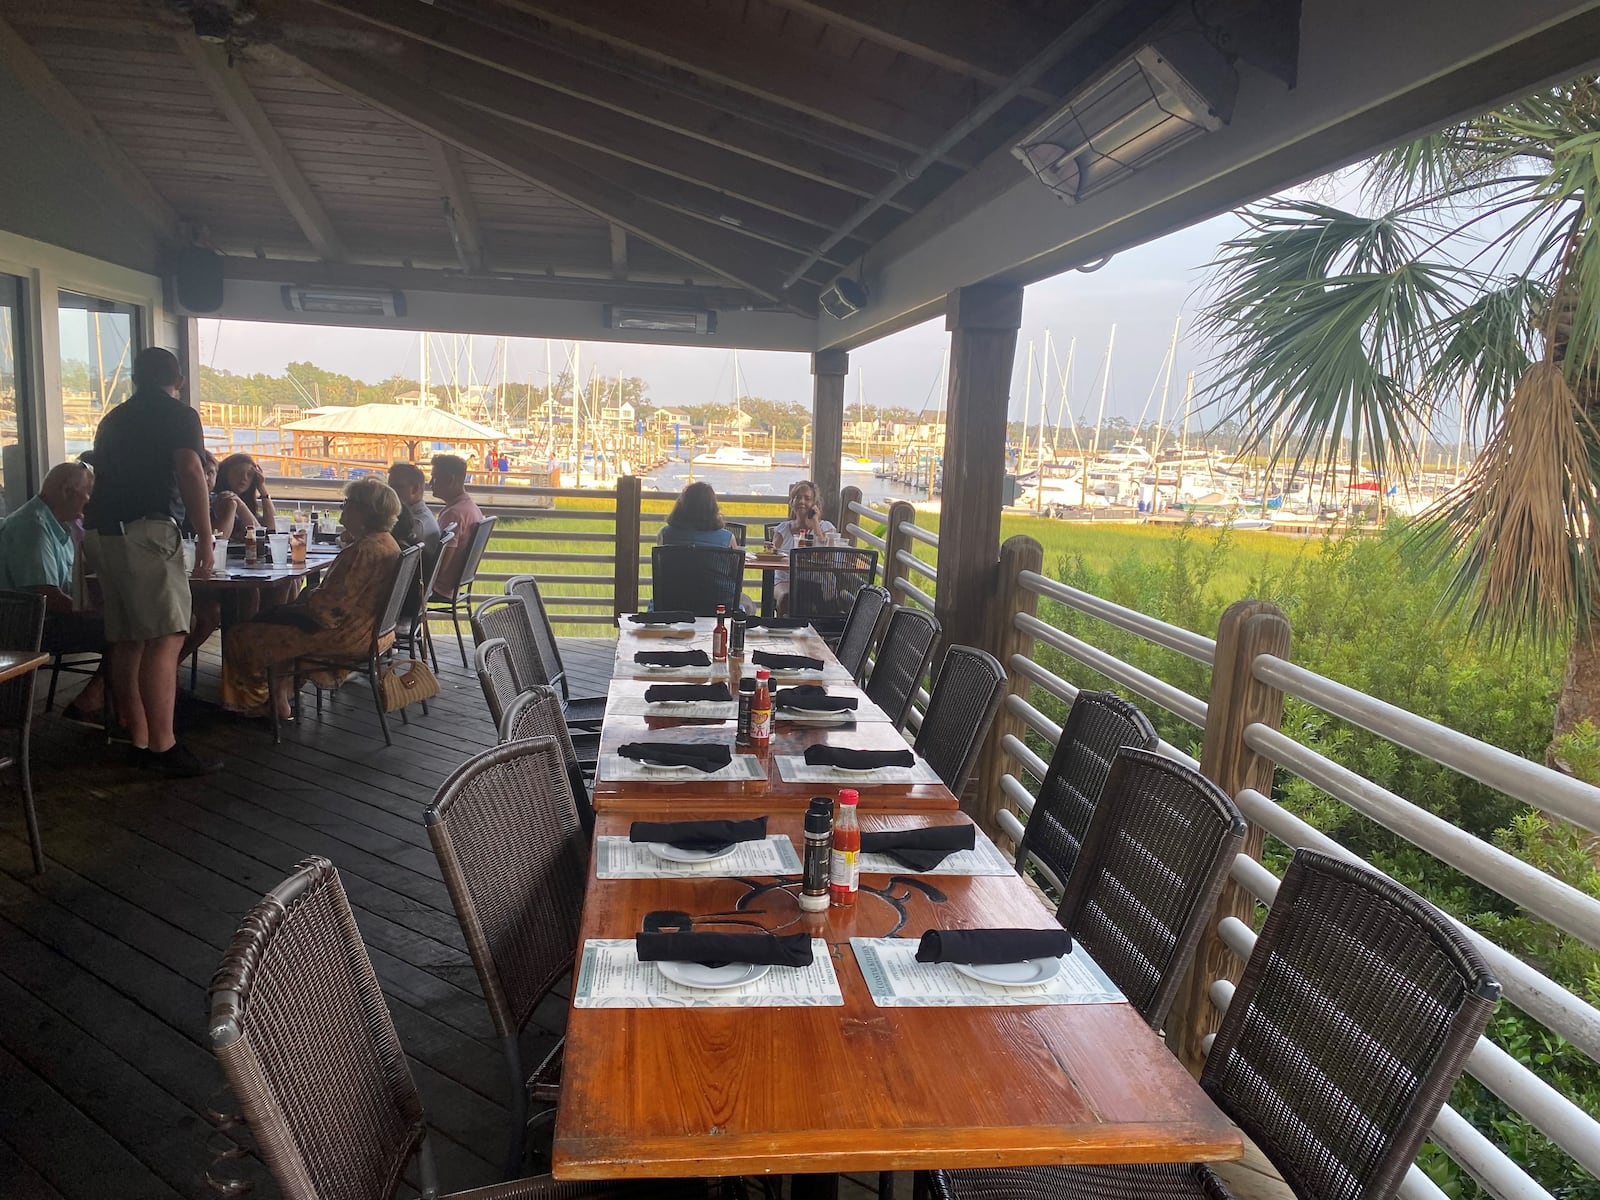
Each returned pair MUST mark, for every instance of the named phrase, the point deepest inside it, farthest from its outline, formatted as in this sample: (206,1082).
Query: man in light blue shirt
(37,553)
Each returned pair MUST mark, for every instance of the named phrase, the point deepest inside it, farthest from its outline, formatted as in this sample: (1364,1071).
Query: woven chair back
(1353,1020)
(824,580)
(507,618)
(537,713)
(961,707)
(21,628)
(512,854)
(696,578)
(497,676)
(305,1040)
(445,541)
(544,634)
(1152,864)
(1098,725)
(902,659)
(478,543)
(860,627)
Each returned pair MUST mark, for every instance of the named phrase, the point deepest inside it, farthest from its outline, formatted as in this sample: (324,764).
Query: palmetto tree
(1475,281)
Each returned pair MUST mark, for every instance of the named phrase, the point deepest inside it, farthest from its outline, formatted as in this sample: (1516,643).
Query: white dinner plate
(1020,974)
(788,633)
(698,975)
(790,675)
(818,716)
(664,631)
(865,770)
(664,669)
(677,854)
(665,768)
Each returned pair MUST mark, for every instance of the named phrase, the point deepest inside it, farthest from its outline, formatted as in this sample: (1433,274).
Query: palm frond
(1485,347)
(1435,165)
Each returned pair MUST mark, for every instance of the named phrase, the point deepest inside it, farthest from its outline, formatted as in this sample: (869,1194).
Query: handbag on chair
(408,682)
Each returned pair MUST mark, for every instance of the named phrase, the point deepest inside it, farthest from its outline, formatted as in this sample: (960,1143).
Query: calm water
(789,467)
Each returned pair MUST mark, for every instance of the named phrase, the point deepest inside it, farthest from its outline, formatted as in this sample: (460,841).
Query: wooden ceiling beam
(36,78)
(460,210)
(469,132)
(249,120)
(730,127)
(619,252)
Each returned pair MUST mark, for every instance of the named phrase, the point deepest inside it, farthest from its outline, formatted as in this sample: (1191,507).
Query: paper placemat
(614,768)
(897,980)
(792,768)
(618,858)
(983,859)
(610,975)
(706,710)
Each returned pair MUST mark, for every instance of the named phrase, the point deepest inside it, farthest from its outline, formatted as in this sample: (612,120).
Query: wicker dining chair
(512,852)
(584,713)
(305,1040)
(823,582)
(536,712)
(1356,1013)
(965,698)
(1098,725)
(696,578)
(460,596)
(902,659)
(497,676)
(860,627)
(506,618)
(22,629)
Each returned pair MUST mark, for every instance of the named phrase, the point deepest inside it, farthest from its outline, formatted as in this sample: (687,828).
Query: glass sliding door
(99,339)
(16,439)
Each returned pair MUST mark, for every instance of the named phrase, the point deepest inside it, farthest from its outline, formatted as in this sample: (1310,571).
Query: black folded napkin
(663,617)
(785,662)
(699,835)
(682,693)
(672,658)
(778,623)
(920,849)
(809,697)
(992,945)
(679,754)
(857,760)
(717,949)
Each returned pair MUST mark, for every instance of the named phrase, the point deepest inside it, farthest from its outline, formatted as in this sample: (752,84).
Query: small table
(14,664)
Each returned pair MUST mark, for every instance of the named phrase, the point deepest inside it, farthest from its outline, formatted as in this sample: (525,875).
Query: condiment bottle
(761,709)
(250,546)
(719,636)
(736,632)
(844,874)
(819,849)
(747,694)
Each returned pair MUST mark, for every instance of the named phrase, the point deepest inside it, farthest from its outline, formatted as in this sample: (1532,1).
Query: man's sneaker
(180,762)
(139,756)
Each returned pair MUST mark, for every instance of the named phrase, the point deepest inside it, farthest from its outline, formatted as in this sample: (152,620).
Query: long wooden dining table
(809,1088)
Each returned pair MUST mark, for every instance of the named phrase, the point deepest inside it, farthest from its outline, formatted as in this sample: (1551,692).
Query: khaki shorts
(144,588)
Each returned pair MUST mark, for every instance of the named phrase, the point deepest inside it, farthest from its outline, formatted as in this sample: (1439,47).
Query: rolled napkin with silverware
(686,693)
(809,697)
(699,835)
(920,849)
(976,946)
(678,754)
(664,617)
(718,949)
(785,662)
(778,623)
(672,658)
(857,760)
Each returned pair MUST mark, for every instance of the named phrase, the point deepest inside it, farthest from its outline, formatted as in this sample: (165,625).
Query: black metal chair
(416,636)
(903,657)
(860,627)
(1354,1018)
(696,578)
(584,713)
(22,629)
(536,712)
(965,698)
(1098,725)
(497,676)
(461,595)
(739,530)
(823,582)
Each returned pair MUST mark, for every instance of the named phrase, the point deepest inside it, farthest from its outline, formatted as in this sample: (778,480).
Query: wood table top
(16,663)
(665,1092)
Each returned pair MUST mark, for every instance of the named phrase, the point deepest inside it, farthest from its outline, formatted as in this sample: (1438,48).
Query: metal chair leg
(455,619)
(55,674)
(517,1145)
(377,700)
(29,812)
(272,706)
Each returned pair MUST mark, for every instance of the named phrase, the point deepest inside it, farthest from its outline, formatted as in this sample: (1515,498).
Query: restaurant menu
(983,859)
(618,858)
(615,768)
(792,768)
(610,975)
(897,980)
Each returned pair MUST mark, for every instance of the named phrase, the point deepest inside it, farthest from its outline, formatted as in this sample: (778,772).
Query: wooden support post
(828,370)
(983,322)
(625,586)
(1248,628)
(1020,553)
(900,513)
(848,496)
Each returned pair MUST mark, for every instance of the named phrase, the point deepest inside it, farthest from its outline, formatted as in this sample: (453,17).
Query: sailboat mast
(577,441)
(1027,411)
(1044,399)
(1183,442)
(422,384)
(1166,387)
(1062,408)
(1105,384)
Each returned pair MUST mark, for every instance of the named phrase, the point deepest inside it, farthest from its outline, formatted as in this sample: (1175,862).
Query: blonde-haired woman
(333,619)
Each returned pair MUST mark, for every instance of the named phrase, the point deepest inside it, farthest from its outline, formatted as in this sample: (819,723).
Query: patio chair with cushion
(304,1037)
(461,596)
(823,582)
(584,713)
(860,627)
(537,713)
(1098,725)
(22,629)
(902,659)
(1356,1013)
(696,578)
(965,698)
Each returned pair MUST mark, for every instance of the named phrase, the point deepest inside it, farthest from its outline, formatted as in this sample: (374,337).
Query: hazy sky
(1141,291)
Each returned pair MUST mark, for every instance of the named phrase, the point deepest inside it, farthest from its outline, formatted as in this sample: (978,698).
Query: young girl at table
(805,516)
(240,482)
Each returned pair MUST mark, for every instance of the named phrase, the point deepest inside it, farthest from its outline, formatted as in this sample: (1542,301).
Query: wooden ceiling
(699,149)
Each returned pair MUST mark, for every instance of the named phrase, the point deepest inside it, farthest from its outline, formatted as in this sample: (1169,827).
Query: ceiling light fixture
(661,320)
(344,302)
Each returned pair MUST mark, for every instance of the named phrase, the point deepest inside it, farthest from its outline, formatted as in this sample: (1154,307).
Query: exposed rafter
(468,131)
(461,212)
(32,73)
(249,120)
(619,252)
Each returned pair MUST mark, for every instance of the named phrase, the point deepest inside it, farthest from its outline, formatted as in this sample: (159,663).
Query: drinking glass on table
(282,522)
(280,548)
(219,554)
(188,556)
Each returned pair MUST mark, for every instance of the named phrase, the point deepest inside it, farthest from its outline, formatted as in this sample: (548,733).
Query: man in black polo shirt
(148,474)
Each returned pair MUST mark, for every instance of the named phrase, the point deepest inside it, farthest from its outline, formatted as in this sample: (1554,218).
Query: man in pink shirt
(449,484)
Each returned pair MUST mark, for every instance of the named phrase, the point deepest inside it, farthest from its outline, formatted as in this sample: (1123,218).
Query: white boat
(736,457)
(857,466)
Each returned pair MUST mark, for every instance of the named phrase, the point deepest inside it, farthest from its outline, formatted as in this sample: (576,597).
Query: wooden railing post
(625,585)
(847,496)
(900,513)
(1249,628)
(1017,554)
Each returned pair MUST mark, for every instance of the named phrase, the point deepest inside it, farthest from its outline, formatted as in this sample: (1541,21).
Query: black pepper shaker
(736,634)
(747,695)
(819,846)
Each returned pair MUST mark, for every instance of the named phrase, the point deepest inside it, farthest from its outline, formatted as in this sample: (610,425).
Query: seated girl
(696,520)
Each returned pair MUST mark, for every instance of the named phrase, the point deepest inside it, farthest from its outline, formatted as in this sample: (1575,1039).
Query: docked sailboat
(735,457)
